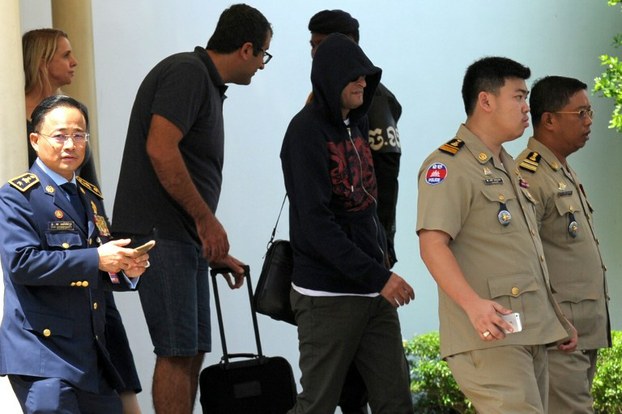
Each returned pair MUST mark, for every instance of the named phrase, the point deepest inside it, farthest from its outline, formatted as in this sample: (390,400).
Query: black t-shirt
(187,90)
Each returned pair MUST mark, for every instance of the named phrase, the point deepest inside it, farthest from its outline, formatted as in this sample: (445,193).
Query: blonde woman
(49,64)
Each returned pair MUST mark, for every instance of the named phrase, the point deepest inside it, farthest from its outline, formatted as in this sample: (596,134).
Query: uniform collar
(480,151)
(546,154)
(57,178)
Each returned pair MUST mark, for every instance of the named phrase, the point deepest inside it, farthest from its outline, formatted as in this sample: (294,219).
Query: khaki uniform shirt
(576,268)
(483,205)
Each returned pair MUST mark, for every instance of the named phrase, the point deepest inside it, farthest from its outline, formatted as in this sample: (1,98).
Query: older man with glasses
(59,263)
(562,118)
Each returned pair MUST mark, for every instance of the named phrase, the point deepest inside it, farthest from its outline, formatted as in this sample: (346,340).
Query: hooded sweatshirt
(337,240)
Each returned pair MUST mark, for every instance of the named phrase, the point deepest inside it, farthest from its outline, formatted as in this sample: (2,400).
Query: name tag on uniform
(564,193)
(493,181)
(61,225)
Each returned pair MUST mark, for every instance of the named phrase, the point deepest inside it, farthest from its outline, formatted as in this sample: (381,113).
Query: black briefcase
(255,384)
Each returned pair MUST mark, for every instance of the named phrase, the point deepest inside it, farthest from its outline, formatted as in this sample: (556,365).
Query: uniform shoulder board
(452,147)
(91,187)
(530,163)
(24,181)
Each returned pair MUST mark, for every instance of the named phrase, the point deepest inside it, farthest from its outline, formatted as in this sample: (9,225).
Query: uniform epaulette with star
(24,181)
(452,147)
(91,187)
(531,162)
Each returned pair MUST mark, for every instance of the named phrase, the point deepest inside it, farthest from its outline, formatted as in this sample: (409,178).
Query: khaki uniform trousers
(570,381)
(503,380)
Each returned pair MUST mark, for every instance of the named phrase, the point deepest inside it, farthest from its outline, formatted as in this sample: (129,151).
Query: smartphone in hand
(144,248)
(514,320)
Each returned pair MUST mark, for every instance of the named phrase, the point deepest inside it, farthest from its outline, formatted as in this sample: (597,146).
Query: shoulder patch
(452,147)
(24,181)
(91,187)
(531,162)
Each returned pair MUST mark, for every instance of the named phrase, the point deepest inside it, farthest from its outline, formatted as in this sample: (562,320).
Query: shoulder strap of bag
(277,221)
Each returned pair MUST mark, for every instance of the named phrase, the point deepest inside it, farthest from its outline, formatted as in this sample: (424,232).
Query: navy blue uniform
(55,305)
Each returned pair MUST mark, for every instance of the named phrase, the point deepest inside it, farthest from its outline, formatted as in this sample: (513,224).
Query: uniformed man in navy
(58,262)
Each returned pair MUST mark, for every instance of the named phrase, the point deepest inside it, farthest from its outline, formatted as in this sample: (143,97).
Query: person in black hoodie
(344,297)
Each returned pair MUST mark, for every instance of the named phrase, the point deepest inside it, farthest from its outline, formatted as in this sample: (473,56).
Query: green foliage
(609,84)
(434,389)
(607,386)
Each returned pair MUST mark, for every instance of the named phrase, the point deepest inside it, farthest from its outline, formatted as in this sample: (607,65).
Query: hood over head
(337,62)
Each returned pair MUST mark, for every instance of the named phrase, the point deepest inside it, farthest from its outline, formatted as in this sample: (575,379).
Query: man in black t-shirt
(170,182)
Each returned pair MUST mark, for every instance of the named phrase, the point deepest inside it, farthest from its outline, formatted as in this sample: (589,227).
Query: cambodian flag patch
(436,173)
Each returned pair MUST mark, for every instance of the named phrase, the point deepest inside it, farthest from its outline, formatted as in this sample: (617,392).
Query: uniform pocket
(501,210)
(48,325)
(570,212)
(63,239)
(512,291)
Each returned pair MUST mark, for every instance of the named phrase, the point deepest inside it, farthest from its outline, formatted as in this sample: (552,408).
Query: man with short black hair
(562,117)
(170,183)
(59,265)
(478,237)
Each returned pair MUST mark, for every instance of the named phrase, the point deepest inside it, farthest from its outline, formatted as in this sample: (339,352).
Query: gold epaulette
(24,181)
(91,187)
(531,162)
(452,147)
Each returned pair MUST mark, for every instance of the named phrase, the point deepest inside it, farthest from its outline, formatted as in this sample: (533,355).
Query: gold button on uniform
(65,245)
(515,291)
(47,332)
(73,284)
(79,283)
(95,306)
(85,284)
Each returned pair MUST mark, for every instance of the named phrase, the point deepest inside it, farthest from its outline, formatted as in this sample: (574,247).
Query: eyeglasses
(266,56)
(78,138)
(582,113)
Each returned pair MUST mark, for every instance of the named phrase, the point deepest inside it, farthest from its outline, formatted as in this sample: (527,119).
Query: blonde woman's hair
(39,46)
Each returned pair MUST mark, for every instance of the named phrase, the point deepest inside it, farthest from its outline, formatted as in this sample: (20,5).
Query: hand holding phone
(144,248)
(514,320)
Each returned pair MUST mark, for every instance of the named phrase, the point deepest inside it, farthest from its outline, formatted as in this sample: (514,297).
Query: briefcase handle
(214,272)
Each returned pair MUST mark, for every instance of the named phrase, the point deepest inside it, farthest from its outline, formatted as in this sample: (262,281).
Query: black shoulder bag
(275,281)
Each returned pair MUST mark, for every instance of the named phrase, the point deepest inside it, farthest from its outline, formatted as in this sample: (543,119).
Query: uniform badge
(452,147)
(436,173)
(573,226)
(49,189)
(493,181)
(59,214)
(100,222)
(487,171)
(504,215)
(61,226)
(24,181)
(531,162)
(93,207)
(562,192)
(482,156)
(91,187)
